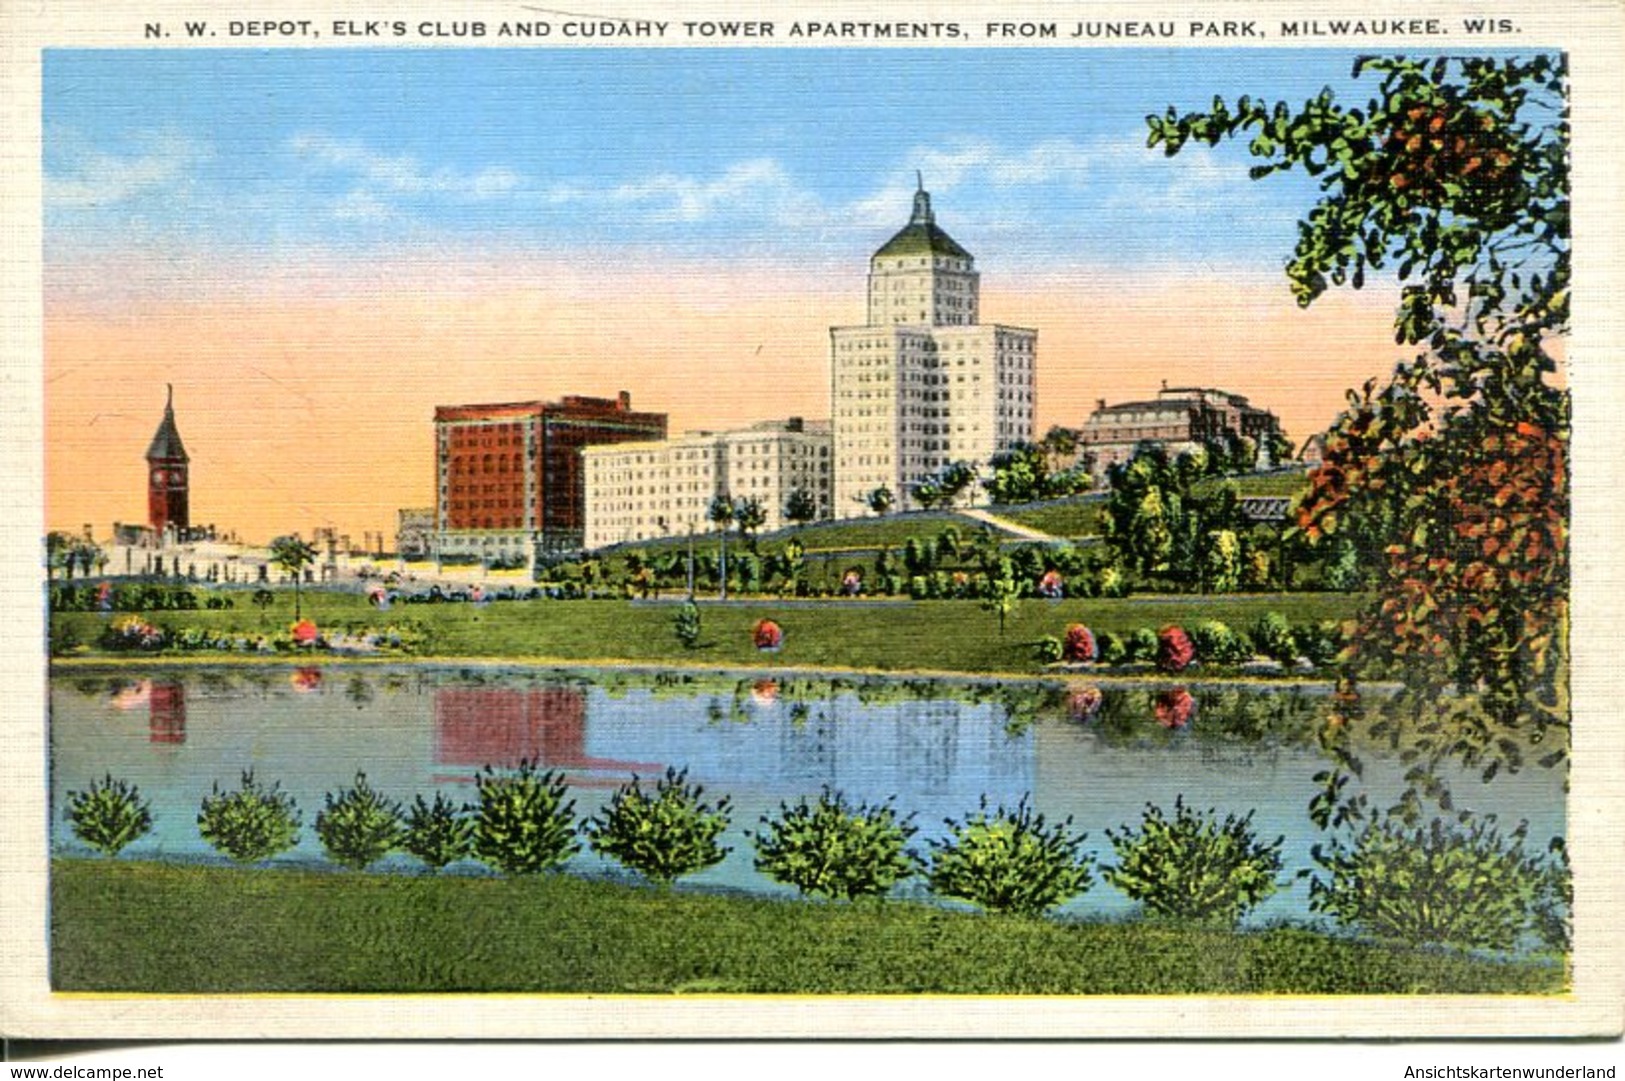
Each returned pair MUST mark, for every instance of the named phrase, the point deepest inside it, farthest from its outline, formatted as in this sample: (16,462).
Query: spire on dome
(922,202)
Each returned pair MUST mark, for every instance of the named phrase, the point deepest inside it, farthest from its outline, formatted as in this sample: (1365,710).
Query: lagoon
(1095,752)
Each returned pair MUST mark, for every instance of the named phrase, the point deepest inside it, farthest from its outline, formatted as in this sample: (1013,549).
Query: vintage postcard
(813,520)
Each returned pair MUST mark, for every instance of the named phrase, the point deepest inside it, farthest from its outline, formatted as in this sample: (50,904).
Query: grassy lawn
(167,929)
(1078,517)
(927,635)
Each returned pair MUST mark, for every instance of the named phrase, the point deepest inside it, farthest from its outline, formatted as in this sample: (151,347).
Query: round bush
(832,848)
(109,815)
(1272,636)
(1193,866)
(1048,649)
(438,833)
(1216,643)
(523,825)
(1110,648)
(251,824)
(1174,649)
(1079,645)
(1010,861)
(1141,645)
(664,836)
(1443,884)
(359,827)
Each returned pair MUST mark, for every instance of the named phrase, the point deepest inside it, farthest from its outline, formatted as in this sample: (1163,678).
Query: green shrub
(109,815)
(1111,648)
(1113,582)
(1141,645)
(1193,866)
(686,624)
(251,824)
(664,836)
(836,849)
(1462,884)
(438,833)
(1216,643)
(359,826)
(1047,649)
(1320,642)
(524,826)
(1010,861)
(1272,636)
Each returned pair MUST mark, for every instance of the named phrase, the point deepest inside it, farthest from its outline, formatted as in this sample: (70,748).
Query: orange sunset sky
(300,411)
(400,229)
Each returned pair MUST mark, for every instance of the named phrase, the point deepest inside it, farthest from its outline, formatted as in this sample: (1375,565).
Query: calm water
(938,747)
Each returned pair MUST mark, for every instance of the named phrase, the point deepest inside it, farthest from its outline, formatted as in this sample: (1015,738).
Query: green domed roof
(922,235)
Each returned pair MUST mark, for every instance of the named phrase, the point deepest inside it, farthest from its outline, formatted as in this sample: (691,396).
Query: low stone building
(1178,419)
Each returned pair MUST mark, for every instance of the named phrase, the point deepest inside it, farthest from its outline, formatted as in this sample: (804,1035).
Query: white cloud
(383,174)
(89,178)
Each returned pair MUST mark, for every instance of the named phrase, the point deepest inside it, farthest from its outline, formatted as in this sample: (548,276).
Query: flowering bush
(1082,703)
(768,635)
(304,632)
(1174,649)
(1052,585)
(133,633)
(852,582)
(1079,646)
(1174,708)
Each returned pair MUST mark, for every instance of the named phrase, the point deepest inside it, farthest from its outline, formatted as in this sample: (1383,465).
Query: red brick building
(509,475)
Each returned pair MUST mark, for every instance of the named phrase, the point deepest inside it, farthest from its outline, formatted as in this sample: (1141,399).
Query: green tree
(750,516)
(1451,476)
(801,507)
(1003,592)
(292,556)
(880,500)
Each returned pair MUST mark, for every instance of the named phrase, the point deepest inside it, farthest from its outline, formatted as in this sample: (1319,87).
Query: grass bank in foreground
(150,927)
(949,636)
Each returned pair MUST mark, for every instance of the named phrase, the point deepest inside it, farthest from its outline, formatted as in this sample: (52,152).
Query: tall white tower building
(924,383)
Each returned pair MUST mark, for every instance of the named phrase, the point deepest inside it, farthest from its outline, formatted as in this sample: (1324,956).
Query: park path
(1006,524)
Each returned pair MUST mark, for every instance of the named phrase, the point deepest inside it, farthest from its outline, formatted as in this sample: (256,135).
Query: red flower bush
(1174,708)
(304,632)
(1174,649)
(1052,585)
(1079,644)
(1082,703)
(768,635)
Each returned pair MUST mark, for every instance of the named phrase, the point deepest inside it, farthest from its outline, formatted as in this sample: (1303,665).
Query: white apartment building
(645,490)
(924,383)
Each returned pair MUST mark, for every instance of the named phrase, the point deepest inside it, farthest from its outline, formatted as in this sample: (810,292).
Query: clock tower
(167,480)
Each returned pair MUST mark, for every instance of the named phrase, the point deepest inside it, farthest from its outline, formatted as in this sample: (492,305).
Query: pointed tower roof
(922,236)
(166,442)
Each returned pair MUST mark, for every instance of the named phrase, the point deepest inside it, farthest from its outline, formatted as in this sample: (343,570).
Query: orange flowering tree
(1450,479)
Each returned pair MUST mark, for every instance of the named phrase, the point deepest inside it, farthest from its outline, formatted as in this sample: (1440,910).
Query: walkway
(1007,525)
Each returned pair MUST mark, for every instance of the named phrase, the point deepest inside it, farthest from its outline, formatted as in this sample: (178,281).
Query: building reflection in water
(547,726)
(166,714)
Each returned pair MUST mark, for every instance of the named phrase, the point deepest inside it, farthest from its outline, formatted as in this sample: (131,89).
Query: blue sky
(781,154)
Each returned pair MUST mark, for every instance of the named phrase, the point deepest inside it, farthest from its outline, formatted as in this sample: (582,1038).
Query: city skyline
(316,282)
